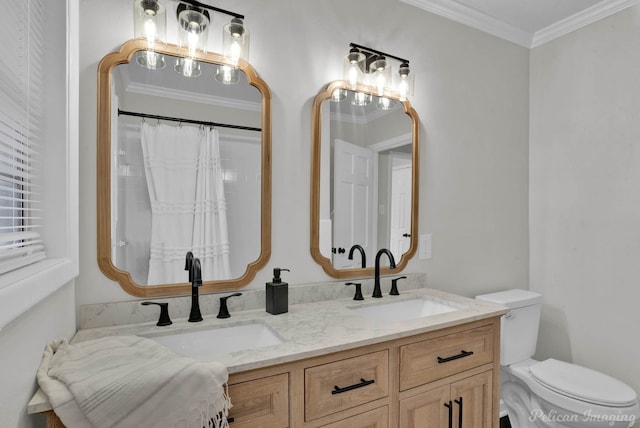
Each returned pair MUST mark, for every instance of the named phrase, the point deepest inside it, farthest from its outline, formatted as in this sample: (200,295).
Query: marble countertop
(308,329)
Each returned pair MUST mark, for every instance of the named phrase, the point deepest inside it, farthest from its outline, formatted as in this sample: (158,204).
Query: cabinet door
(426,410)
(472,398)
(377,418)
(261,402)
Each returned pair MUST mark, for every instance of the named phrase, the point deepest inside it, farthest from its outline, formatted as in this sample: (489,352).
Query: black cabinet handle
(406,235)
(338,390)
(450,407)
(459,403)
(231,420)
(462,354)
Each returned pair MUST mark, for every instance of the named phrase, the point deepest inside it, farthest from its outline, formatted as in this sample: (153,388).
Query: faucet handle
(224,310)
(358,295)
(394,286)
(164,313)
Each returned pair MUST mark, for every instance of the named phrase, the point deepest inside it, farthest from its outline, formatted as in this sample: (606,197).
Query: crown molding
(465,15)
(581,19)
(176,94)
(470,17)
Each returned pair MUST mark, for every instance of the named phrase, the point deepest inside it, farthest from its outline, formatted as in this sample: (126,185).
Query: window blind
(21,101)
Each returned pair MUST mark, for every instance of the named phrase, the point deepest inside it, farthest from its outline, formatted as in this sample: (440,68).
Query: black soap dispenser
(277,294)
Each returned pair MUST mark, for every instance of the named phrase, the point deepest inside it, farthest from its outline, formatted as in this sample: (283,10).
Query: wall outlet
(424,246)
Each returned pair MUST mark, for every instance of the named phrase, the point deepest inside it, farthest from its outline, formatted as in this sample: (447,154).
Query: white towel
(131,381)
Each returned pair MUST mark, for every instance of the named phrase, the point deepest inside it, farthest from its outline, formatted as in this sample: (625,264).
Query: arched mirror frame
(316,145)
(105,68)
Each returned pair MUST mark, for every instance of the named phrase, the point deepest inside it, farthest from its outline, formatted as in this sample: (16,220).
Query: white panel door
(352,202)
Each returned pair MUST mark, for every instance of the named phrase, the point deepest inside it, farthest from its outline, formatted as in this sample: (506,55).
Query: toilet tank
(519,326)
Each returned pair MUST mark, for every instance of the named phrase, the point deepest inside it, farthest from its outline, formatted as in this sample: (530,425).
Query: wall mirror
(364,179)
(183,164)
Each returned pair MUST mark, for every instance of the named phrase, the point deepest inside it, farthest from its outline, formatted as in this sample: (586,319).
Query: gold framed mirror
(152,122)
(364,179)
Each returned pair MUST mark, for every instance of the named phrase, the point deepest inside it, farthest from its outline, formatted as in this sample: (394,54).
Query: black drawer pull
(462,354)
(338,390)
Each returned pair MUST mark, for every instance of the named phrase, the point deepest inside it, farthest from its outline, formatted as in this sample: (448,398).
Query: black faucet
(363,257)
(376,281)
(224,310)
(195,276)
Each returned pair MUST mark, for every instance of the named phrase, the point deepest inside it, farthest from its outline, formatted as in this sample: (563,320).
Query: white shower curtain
(188,209)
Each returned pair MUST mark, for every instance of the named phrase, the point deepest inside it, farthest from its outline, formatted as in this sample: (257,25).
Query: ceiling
(529,23)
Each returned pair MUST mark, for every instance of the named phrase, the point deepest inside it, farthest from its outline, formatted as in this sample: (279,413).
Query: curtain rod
(177,119)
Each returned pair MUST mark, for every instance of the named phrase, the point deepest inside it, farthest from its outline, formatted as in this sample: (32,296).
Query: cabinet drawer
(261,403)
(332,387)
(426,361)
(376,418)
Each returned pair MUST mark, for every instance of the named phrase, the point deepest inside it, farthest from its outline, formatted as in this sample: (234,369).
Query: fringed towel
(131,381)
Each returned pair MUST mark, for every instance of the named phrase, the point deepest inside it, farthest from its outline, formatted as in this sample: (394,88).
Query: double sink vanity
(425,358)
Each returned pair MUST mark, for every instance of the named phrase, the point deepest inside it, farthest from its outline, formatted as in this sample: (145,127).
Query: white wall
(471,95)
(21,346)
(585,195)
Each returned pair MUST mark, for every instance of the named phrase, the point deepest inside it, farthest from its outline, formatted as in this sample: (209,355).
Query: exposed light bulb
(150,31)
(353,75)
(234,51)
(380,81)
(403,89)
(192,40)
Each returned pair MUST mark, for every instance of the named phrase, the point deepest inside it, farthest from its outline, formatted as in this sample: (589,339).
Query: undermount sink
(219,341)
(405,310)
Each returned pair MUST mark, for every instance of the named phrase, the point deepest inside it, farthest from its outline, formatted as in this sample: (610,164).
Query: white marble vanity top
(309,329)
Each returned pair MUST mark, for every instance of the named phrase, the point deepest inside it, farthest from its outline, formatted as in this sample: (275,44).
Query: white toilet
(553,393)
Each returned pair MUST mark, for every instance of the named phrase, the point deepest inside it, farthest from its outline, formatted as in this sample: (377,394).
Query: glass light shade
(235,41)
(188,67)
(151,60)
(227,75)
(338,95)
(385,103)
(380,71)
(193,29)
(150,22)
(361,99)
(354,66)
(403,82)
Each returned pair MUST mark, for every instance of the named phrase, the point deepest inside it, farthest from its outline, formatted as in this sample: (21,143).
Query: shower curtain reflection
(188,208)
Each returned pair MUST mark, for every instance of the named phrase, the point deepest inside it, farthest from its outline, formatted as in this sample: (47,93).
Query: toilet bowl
(553,393)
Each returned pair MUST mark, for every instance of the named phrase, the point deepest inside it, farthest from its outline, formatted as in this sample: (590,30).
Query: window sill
(26,287)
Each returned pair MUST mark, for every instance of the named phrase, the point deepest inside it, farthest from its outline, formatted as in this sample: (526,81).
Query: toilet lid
(582,383)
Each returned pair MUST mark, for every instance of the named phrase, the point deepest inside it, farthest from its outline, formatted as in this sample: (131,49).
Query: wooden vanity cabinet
(424,381)
(418,381)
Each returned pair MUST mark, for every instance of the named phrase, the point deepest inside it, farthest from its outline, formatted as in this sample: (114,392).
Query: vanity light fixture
(373,68)
(194,19)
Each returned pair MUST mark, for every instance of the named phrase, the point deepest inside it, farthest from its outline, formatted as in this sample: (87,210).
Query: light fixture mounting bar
(364,48)
(215,9)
